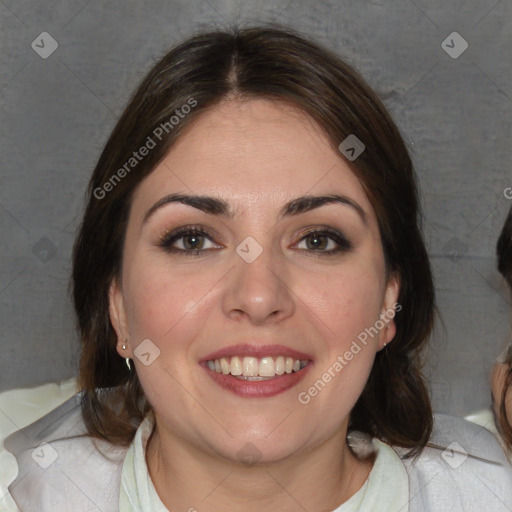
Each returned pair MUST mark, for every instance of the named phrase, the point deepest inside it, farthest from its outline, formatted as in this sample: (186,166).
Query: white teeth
(280,365)
(267,367)
(250,367)
(252,379)
(224,365)
(253,368)
(236,366)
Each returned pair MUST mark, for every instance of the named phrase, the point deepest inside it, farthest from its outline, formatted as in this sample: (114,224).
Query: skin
(256,155)
(498,377)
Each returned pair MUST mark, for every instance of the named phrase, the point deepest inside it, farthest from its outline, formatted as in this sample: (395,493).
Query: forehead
(253,153)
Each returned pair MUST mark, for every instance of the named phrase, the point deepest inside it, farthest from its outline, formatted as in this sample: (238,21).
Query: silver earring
(127,359)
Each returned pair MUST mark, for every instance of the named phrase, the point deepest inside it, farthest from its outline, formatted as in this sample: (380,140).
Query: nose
(259,291)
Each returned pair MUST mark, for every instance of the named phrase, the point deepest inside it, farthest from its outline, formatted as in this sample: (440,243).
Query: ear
(117,312)
(390,307)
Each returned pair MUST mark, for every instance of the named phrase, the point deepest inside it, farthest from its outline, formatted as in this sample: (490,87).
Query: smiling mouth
(256,368)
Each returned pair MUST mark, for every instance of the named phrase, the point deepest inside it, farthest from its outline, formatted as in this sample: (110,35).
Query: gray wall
(455,113)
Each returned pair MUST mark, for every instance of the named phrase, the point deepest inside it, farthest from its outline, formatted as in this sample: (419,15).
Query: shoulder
(462,468)
(485,418)
(60,468)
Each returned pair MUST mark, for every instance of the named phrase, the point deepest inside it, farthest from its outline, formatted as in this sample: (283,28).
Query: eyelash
(167,240)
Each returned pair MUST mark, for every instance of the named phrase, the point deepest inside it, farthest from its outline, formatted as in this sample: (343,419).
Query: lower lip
(258,388)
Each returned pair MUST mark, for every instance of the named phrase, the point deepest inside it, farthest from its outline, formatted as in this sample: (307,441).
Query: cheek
(347,301)
(170,308)
(161,299)
(348,304)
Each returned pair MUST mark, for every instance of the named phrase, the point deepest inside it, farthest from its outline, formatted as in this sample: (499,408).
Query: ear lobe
(117,313)
(390,306)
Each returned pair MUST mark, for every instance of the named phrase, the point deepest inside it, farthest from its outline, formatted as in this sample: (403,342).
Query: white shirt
(88,471)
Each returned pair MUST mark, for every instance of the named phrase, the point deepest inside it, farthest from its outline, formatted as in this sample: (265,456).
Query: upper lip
(250,350)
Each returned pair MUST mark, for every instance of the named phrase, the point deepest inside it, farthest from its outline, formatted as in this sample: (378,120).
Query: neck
(318,480)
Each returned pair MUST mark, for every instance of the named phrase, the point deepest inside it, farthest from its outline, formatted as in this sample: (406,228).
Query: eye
(188,240)
(326,241)
(194,240)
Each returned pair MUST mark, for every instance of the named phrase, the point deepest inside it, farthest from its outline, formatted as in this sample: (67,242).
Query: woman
(498,418)
(502,374)
(251,250)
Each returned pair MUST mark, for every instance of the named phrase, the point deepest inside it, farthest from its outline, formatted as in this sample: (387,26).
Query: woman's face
(247,277)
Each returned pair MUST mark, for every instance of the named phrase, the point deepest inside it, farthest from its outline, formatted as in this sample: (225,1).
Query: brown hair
(504,252)
(278,64)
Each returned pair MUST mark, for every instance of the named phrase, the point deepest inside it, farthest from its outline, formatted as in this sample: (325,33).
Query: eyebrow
(215,206)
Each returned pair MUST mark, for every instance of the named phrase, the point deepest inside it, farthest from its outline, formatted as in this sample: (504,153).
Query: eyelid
(190,227)
(344,244)
(170,237)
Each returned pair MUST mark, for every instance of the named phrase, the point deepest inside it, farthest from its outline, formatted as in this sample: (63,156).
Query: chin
(252,451)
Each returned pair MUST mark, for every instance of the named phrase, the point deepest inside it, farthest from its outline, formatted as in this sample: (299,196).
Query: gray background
(455,114)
